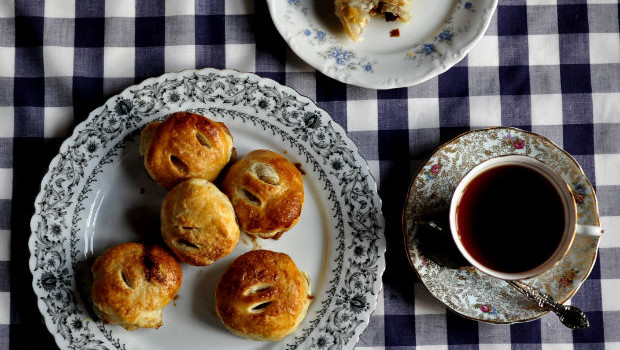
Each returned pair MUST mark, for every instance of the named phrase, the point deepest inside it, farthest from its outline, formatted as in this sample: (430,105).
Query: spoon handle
(569,315)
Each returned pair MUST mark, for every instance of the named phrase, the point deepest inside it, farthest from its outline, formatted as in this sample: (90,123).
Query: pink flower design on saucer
(434,171)
(579,193)
(515,141)
(567,279)
(486,308)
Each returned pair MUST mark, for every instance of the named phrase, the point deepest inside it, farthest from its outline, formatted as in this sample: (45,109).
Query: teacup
(514,217)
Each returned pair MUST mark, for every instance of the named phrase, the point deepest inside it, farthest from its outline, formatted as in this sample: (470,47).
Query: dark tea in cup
(514,217)
(510,218)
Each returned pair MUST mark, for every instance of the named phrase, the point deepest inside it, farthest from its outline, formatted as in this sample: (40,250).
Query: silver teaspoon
(571,316)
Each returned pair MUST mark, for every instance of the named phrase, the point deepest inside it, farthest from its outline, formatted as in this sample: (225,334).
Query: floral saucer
(439,35)
(464,289)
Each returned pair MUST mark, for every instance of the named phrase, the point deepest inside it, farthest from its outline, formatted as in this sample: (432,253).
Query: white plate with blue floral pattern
(439,35)
(97,194)
(464,289)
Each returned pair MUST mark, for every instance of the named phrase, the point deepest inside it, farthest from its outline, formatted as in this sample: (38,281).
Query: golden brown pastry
(354,14)
(198,222)
(185,145)
(267,192)
(262,296)
(132,283)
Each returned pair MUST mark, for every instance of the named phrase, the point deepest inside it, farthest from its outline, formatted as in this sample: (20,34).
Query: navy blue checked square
(392,94)
(514,80)
(328,90)
(575,78)
(89,32)
(30,61)
(400,330)
(5,268)
(21,335)
(591,335)
(454,83)
(28,121)
(578,139)
(461,330)
(525,333)
(280,77)
(422,142)
(5,224)
(210,30)
(29,92)
(87,95)
(573,18)
(392,143)
(447,133)
(28,31)
(511,20)
(150,31)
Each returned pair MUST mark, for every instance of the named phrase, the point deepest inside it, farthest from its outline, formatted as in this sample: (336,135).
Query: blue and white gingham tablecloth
(549,66)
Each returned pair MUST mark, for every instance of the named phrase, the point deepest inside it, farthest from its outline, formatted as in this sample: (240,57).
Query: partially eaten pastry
(354,14)
(132,283)
(198,222)
(267,192)
(185,145)
(262,296)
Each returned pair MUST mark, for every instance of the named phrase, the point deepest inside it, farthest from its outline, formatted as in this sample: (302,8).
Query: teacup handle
(589,230)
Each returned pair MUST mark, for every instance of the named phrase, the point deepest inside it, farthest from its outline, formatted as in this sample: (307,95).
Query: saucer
(464,289)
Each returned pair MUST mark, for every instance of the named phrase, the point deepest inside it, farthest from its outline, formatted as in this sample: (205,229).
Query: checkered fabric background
(549,66)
